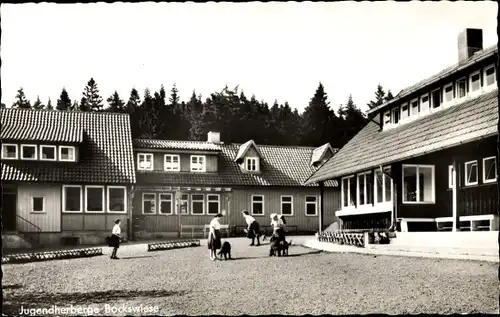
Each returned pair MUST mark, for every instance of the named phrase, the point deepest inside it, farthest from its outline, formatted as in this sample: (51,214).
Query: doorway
(9,209)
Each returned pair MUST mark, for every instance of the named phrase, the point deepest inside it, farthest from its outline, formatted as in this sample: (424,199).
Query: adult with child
(214,238)
(278,225)
(253,228)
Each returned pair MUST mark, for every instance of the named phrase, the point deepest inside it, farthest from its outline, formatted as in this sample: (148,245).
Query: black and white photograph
(249,158)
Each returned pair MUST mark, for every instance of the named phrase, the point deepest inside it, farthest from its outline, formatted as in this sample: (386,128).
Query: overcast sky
(273,50)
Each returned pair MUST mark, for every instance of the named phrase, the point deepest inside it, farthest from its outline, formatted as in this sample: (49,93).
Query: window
(461,88)
(436,98)
(28,152)
(383,186)
(448,93)
(404,112)
(9,151)
(251,163)
(311,206)
(348,192)
(387,118)
(47,152)
(94,198)
(414,107)
(213,204)
(149,203)
(418,184)
(257,205)
(72,198)
(475,82)
(471,173)
(117,199)
(172,162)
(287,205)
(424,103)
(184,204)
(197,163)
(395,115)
(450,176)
(166,205)
(37,204)
(67,153)
(145,161)
(365,189)
(197,204)
(489,170)
(489,75)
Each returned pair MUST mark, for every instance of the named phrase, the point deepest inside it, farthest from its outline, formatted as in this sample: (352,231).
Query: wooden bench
(206,230)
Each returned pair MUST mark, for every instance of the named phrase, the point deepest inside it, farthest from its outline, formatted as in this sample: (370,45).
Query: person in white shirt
(253,227)
(115,238)
(214,241)
(278,227)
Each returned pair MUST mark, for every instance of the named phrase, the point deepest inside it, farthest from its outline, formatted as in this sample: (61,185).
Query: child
(214,242)
(277,225)
(253,229)
(115,239)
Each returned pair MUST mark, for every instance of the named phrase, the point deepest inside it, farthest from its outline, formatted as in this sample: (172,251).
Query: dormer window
(387,118)
(448,93)
(145,161)
(424,103)
(461,88)
(251,164)
(47,152)
(489,75)
(172,162)
(67,153)
(395,115)
(475,82)
(198,163)
(9,151)
(414,107)
(436,98)
(28,152)
(404,112)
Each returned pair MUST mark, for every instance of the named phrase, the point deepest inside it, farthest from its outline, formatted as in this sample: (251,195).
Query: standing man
(253,229)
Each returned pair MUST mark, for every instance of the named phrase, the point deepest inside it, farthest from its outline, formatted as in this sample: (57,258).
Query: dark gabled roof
(471,120)
(175,145)
(242,151)
(106,154)
(478,56)
(282,166)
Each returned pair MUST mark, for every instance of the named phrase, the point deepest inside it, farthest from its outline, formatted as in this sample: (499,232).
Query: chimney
(213,137)
(470,41)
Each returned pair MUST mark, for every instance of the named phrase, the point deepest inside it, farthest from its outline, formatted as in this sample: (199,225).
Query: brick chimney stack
(470,41)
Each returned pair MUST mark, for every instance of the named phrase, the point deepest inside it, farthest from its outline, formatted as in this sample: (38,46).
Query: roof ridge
(66,111)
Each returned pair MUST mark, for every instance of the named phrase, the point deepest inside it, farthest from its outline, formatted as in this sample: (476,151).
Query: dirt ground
(186,282)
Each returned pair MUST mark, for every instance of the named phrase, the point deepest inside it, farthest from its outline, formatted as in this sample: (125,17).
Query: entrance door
(9,211)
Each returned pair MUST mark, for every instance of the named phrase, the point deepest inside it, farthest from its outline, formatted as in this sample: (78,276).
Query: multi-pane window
(166,204)
(94,198)
(172,162)
(287,205)
(257,204)
(197,204)
(67,153)
(414,107)
(183,204)
(396,115)
(404,112)
(251,164)
(311,206)
(448,93)
(489,169)
(387,118)
(475,82)
(9,151)
(436,98)
(471,177)
(197,163)
(348,192)
(37,204)
(149,203)
(48,152)
(213,201)
(461,88)
(72,198)
(383,187)
(28,152)
(365,189)
(489,76)
(418,184)
(117,199)
(145,161)
(424,103)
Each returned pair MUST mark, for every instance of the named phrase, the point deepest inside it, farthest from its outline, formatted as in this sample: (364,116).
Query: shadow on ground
(267,256)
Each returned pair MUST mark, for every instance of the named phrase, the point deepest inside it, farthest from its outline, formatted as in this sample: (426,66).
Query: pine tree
(92,100)
(84,105)
(380,97)
(174,96)
(38,104)
(389,96)
(75,106)
(132,108)
(22,101)
(194,116)
(115,103)
(354,121)
(63,103)
(49,105)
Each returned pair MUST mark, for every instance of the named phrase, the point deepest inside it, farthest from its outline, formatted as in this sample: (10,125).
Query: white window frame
(61,147)
(48,147)
(477,173)
(286,202)
(315,203)
(457,90)
(33,205)
(198,201)
(425,110)
(64,199)
(393,111)
(412,115)
(387,124)
(433,200)
(171,200)
(406,117)
(485,181)
(141,155)
(450,176)
(494,76)
(348,192)
(102,197)
(29,146)
(432,108)
(142,204)
(108,200)
(445,102)
(4,152)
(477,72)
(365,191)
(187,204)
(193,168)
(172,167)
(375,191)
(255,160)
(212,202)
(262,202)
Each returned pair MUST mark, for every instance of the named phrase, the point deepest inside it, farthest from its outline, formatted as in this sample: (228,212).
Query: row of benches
(197,230)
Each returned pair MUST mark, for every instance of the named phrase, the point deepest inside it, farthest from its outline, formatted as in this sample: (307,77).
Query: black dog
(225,250)
(278,246)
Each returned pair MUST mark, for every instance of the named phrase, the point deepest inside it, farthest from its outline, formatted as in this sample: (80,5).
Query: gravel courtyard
(185,281)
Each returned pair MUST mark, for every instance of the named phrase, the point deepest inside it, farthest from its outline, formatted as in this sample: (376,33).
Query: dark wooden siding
(478,200)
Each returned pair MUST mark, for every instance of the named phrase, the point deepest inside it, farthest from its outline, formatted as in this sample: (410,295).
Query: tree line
(229,111)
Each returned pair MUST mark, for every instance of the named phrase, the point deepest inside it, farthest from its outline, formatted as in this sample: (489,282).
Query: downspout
(131,194)
(321,191)
(394,200)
